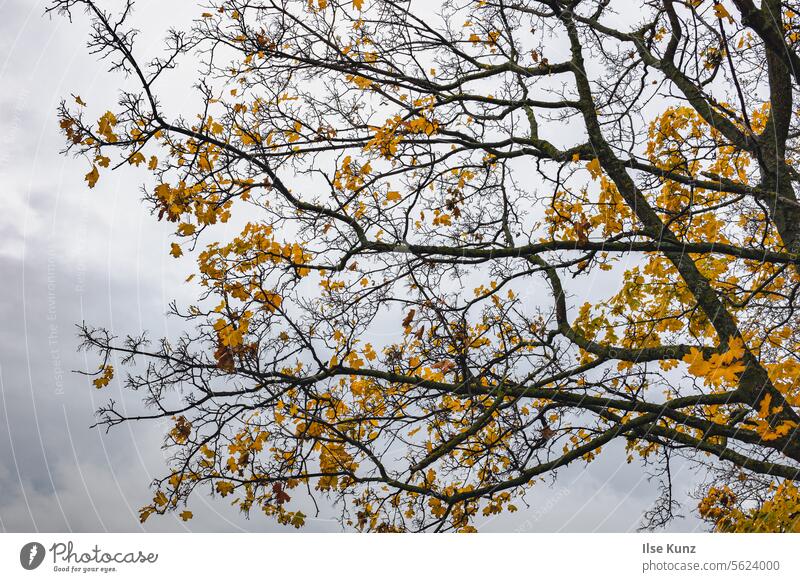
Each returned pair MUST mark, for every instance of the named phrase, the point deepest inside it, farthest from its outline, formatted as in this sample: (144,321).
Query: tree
(423,198)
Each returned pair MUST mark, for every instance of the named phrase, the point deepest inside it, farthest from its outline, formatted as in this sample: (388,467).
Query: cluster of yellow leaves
(334,458)
(160,505)
(319,5)
(350,176)
(653,299)
(106,131)
(361,82)
(230,334)
(441,218)
(785,373)
(182,430)
(719,369)
(245,445)
(578,217)
(387,137)
(769,431)
(778,514)
(677,136)
(491,38)
(254,247)
(567,219)
(238,271)
(105,127)
(176,201)
(105,377)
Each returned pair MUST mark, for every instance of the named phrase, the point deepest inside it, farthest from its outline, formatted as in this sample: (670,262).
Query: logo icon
(31,555)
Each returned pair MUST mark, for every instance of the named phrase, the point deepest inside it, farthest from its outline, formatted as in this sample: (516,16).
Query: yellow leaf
(136,159)
(224,488)
(299,518)
(160,498)
(175,250)
(360,81)
(722,12)
(357,4)
(92,177)
(594,168)
(735,350)
(697,365)
(145,512)
(442,219)
(393,196)
(726,373)
(186,229)
(186,515)
(763,408)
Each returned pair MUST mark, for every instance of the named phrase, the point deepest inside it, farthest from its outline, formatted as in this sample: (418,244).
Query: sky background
(68,254)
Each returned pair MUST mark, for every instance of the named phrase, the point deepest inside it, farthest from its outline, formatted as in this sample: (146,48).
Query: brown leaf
(224,358)
(582,230)
(445,366)
(280,495)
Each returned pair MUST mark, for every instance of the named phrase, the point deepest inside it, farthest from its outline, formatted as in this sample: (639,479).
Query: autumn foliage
(478,241)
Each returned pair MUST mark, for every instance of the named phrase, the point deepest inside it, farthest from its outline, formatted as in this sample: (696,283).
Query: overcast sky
(68,254)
